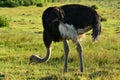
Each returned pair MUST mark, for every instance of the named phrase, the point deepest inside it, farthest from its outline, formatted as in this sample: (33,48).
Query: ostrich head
(35,59)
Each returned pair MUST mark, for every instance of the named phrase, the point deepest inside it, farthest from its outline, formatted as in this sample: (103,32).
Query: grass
(24,37)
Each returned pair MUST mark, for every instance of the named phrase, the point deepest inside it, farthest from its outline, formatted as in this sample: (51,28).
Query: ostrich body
(68,22)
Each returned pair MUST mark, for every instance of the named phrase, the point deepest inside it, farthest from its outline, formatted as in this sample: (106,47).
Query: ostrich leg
(66,50)
(79,50)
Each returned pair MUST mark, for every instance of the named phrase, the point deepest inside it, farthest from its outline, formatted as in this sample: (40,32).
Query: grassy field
(24,37)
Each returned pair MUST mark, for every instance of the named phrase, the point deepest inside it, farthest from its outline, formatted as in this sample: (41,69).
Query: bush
(1,3)
(94,7)
(21,2)
(39,5)
(4,22)
(15,3)
(10,4)
(27,3)
(103,19)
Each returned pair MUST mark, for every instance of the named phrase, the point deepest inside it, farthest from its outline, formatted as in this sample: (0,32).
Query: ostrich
(68,22)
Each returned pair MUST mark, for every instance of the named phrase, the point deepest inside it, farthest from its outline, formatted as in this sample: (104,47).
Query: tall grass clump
(4,22)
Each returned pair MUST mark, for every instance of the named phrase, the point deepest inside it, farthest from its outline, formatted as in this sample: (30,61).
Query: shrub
(1,3)
(94,7)
(10,4)
(15,3)
(27,3)
(4,22)
(39,5)
(103,19)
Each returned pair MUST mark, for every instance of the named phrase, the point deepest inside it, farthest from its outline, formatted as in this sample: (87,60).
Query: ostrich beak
(30,61)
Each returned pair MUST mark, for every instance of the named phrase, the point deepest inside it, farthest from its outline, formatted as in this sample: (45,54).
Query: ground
(24,37)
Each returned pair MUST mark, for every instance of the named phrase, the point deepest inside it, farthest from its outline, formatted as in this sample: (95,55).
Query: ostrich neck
(47,57)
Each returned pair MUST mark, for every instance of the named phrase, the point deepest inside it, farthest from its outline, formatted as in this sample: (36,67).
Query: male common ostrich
(68,22)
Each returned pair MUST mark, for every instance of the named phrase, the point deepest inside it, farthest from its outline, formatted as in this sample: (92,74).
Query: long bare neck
(37,59)
(47,57)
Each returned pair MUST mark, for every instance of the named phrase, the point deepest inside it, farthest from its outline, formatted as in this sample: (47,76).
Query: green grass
(24,37)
